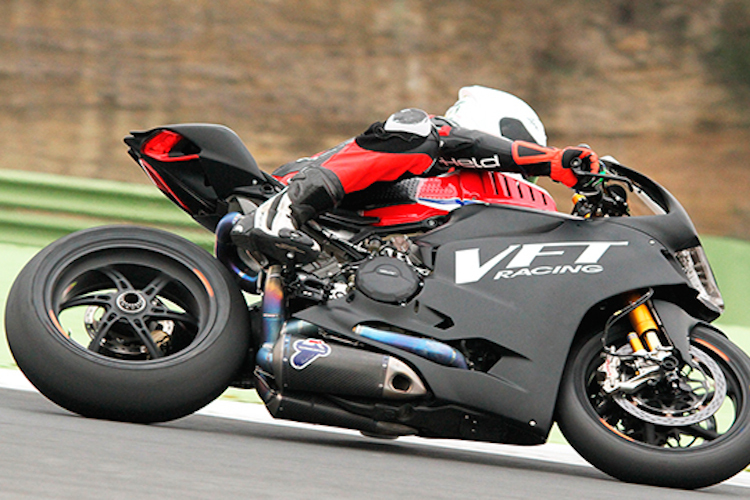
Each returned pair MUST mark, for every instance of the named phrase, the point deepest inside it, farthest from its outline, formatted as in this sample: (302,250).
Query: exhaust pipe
(274,312)
(226,253)
(426,348)
(311,364)
(314,409)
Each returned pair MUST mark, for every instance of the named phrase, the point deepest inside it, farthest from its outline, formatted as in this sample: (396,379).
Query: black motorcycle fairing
(677,323)
(175,169)
(675,231)
(207,166)
(514,220)
(514,304)
(671,222)
(229,163)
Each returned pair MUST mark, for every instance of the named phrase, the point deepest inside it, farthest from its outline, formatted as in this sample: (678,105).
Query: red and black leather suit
(408,144)
(320,182)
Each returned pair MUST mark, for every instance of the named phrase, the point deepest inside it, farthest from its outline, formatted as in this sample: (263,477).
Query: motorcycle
(463,306)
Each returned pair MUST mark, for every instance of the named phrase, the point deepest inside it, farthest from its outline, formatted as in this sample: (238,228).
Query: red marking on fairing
(464,186)
(402,214)
(445,130)
(161,184)
(493,184)
(358,168)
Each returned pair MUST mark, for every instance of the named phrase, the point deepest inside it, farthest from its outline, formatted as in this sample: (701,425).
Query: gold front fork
(645,337)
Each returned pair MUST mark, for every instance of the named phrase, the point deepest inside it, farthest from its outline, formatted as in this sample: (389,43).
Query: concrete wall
(638,79)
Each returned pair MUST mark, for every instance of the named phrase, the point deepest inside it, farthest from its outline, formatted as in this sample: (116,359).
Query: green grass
(730,261)
(14,258)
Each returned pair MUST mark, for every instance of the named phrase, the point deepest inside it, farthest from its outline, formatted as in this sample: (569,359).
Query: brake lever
(603,176)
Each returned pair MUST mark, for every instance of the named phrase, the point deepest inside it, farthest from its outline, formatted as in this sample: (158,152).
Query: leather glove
(579,158)
(559,164)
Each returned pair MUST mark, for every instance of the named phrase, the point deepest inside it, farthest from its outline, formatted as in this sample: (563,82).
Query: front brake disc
(651,405)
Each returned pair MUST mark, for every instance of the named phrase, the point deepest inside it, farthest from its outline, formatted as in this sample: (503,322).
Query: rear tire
(127,323)
(633,450)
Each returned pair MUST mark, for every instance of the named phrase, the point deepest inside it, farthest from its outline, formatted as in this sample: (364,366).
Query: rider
(485,129)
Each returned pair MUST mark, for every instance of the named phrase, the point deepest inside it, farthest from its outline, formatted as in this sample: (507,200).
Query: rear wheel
(685,427)
(127,323)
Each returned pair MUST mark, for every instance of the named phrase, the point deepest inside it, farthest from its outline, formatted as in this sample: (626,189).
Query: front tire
(644,450)
(127,323)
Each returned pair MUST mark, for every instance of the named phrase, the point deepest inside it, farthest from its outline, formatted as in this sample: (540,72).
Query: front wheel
(683,428)
(127,323)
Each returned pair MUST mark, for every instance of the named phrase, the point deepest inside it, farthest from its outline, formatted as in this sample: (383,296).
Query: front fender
(678,324)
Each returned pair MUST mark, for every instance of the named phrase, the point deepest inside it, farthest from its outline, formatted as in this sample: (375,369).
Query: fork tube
(645,326)
(635,343)
(273,316)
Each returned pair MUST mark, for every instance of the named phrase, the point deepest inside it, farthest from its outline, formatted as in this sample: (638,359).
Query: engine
(391,273)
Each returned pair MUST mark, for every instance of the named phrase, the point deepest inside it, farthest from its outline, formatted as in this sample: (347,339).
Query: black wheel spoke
(103,327)
(165,314)
(99,299)
(144,334)
(157,284)
(699,432)
(604,407)
(120,281)
(649,433)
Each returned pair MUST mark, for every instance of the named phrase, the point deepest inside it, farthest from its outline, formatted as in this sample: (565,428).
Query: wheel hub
(131,302)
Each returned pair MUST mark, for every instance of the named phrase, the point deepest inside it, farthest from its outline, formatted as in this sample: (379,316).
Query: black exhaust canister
(316,365)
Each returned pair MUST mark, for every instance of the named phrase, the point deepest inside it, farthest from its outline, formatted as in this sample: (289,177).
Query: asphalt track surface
(234,450)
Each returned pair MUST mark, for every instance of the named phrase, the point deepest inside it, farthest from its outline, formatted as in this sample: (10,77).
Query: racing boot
(271,233)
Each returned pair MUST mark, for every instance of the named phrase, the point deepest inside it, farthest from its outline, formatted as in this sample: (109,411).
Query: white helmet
(498,113)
